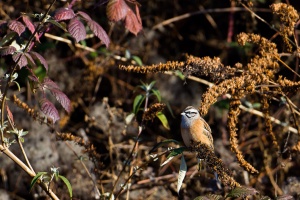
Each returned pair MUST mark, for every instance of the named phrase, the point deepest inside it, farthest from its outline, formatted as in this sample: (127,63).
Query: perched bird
(195,129)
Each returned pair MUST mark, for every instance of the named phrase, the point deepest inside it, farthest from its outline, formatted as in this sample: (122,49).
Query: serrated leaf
(50,84)
(30,26)
(64,14)
(99,32)
(157,94)
(181,174)
(138,60)
(16,26)
(40,59)
(242,192)
(8,50)
(67,183)
(20,58)
(62,99)
(77,29)
(116,10)
(132,23)
(138,100)
(163,120)
(36,178)
(129,118)
(49,109)
(162,143)
(84,15)
(30,59)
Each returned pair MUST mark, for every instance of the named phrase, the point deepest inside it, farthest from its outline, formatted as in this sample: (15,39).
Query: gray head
(188,115)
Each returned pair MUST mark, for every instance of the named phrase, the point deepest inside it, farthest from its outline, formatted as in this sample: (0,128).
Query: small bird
(195,129)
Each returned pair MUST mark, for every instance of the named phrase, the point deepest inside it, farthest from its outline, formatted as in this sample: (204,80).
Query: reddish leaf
(40,58)
(10,115)
(132,23)
(7,50)
(116,10)
(30,26)
(137,12)
(30,59)
(99,32)
(49,109)
(76,29)
(62,99)
(84,15)
(64,14)
(16,26)
(20,58)
(50,84)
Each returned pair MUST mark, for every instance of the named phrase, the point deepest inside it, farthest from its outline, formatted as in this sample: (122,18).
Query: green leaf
(137,103)
(68,184)
(157,94)
(180,75)
(176,151)
(181,174)
(36,178)
(138,60)
(242,192)
(163,143)
(57,24)
(173,153)
(163,120)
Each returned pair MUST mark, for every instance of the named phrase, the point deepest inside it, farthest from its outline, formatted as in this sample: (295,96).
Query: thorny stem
(3,147)
(15,66)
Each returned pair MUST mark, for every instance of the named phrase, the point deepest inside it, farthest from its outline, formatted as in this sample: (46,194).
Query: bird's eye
(190,114)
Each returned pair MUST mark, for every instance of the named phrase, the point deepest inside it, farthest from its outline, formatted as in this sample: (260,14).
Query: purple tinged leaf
(30,59)
(84,15)
(30,26)
(76,29)
(40,58)
(62,99)
(99,32)
(7,50)
(50,84)
(49,109)
(16,26)
(64,14)
(21,59)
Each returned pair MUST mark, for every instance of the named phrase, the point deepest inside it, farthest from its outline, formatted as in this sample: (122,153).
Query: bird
(194,128)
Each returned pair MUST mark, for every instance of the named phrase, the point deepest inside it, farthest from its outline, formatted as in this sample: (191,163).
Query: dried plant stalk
(233,114)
